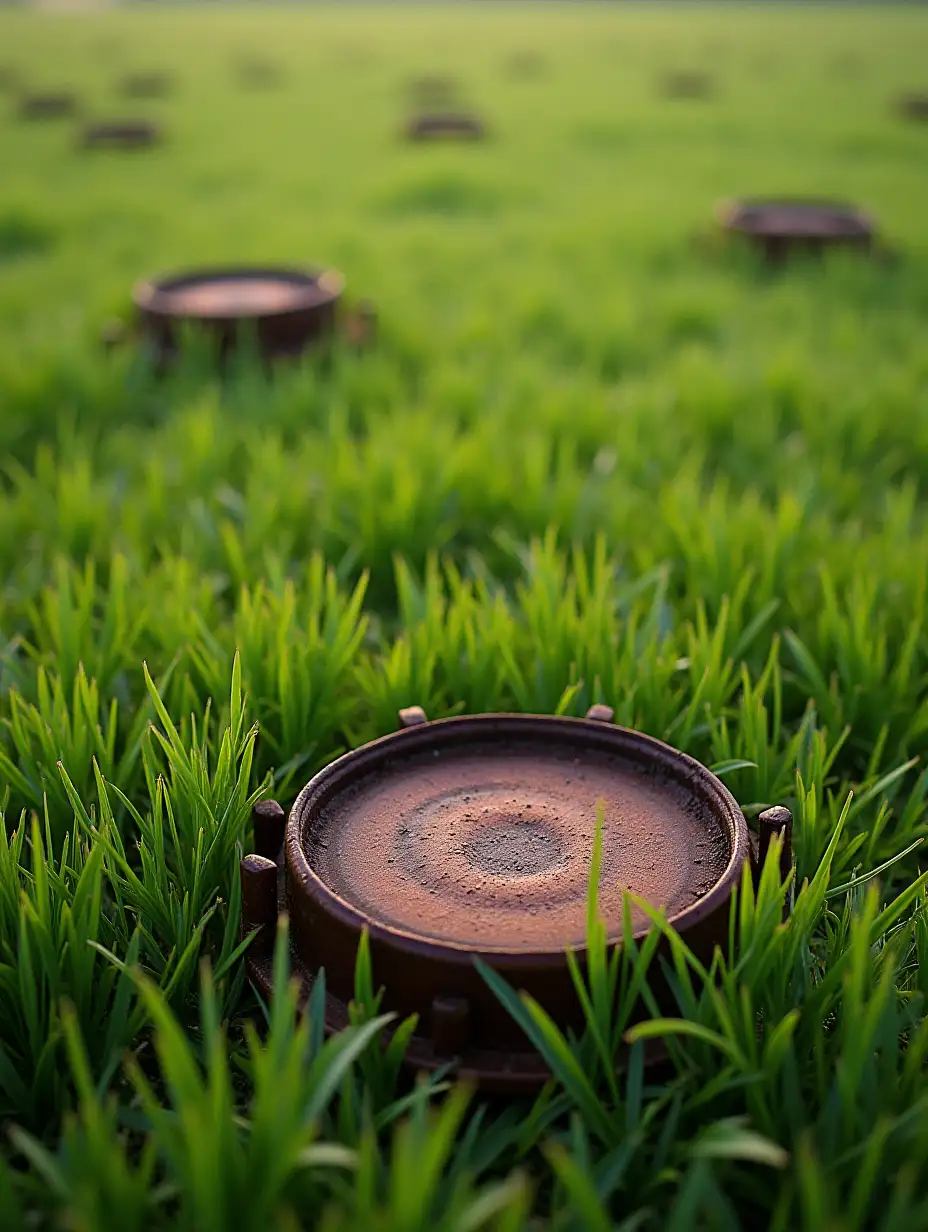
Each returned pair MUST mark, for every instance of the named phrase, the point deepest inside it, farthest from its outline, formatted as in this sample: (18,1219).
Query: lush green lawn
(586,450)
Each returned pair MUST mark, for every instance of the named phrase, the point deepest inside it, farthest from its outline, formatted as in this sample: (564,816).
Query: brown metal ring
(437,978)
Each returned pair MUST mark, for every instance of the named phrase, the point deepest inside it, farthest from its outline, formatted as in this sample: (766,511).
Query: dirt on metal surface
(489,845)
(472,837)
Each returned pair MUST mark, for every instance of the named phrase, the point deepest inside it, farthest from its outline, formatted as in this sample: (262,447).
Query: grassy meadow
(592,454)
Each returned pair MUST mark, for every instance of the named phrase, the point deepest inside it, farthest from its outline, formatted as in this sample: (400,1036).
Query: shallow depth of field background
(593,454)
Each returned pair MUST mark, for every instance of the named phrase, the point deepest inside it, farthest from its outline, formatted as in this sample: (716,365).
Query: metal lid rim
(301,872)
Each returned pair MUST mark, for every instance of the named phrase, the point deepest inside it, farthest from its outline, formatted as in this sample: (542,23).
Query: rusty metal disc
(783,226)
(445,126)
(120,135)
(287,310)
(472,836)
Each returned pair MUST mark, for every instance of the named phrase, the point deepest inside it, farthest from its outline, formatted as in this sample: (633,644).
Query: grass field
(591,456)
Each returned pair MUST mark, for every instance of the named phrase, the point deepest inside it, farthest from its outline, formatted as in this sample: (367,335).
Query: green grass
(588,458)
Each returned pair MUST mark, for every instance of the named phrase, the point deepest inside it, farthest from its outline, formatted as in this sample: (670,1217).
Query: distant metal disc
(783,226)
(121,135)
(288,310)
(47,106)
(455,126)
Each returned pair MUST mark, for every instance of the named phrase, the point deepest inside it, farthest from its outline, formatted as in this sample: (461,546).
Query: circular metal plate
(780,226)
(288,309)
(471,838)
(486,843)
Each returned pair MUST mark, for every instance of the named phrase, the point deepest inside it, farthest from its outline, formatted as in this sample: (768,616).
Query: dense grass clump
(593,455)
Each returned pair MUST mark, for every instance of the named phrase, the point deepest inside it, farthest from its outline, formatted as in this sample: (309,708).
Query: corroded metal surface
(472,837)
(488,845)
(47,106)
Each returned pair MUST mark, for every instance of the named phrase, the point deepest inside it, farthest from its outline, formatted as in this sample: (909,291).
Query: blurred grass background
(592,455)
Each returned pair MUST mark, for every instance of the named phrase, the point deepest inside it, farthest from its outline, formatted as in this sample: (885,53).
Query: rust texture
(268,822)
(472,836)
(782,227)
(451,1025)
(490,845)
(776,822)
(287,311)
(259,898)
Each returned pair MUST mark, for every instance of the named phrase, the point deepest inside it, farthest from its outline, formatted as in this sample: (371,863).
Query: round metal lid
(472,837)
(237,294)
(797,220)
(479,835)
